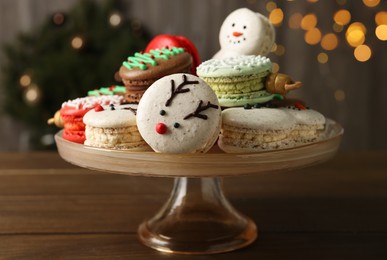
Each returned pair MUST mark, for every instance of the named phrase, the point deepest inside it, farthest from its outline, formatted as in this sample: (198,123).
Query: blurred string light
(295,21)
(276,16)
(329,41)
(342,17)
(322,58)
(381,32)
(275,67)
(32,95)
(278,49)
(371,3)
(362,53)
(58,19)
(339,95)
(115,19)
(25,80)
(381,18)
(31,92)
(313,36)
(341,2)
(77,42)
(270,6)
(309,22)
(355,32)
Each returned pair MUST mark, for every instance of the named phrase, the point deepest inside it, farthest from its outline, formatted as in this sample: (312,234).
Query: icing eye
(244,27)
(162,112)
(233,25)
(176,125)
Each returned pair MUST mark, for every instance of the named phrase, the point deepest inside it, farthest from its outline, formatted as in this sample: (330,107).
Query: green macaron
(237,80)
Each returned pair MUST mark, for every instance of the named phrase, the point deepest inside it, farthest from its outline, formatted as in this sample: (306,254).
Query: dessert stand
(197,218)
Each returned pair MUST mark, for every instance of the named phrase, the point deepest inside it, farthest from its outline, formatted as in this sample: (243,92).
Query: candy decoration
(278,83)
(56,120)
(161,128)
(140,60)
(299,106)
(245,32)
(98,108)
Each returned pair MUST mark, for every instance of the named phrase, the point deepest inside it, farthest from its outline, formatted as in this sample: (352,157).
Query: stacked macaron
(139,71)
(72,113)
(113,127)
(265,129)
(238,80)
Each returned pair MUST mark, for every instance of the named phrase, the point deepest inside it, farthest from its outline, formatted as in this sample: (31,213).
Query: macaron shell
(264,129)
(262,118)
(114,127)
(74,136)
(193,134)
(73,111)
(121,116)
(259,97)
(307,116)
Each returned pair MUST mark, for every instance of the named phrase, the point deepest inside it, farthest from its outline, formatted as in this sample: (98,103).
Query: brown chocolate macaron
(142,69)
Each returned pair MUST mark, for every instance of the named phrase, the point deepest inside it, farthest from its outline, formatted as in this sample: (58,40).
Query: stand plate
(197,218)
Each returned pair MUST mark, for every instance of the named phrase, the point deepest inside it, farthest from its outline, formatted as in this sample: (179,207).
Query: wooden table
(50,209)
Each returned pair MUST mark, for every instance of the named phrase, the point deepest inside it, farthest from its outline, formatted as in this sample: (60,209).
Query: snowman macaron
(179,113)
(245,32)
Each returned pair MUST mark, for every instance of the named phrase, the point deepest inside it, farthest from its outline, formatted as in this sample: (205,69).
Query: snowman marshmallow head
(245,32)
(179,114)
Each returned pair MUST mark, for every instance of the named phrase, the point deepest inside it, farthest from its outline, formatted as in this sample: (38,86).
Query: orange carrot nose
(237,34)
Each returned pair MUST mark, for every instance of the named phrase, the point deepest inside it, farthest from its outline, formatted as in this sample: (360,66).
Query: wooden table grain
(50,209)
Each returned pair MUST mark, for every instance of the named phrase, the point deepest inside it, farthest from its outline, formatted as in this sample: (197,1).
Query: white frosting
(121,116)
(245,32)
(234,66)
(91,101)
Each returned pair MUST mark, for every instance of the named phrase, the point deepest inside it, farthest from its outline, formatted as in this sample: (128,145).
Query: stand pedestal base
(197,219)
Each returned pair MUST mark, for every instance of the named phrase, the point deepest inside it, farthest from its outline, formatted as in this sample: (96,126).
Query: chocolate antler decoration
(179,88)
(131,109)
(201,108)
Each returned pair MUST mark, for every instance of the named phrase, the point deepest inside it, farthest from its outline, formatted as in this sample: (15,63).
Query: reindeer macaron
(179,113)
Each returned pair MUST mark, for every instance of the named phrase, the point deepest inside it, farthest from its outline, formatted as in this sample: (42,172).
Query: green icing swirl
(140,60)
(107,91)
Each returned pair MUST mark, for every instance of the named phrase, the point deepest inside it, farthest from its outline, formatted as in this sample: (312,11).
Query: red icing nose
(237,34)
(161,128)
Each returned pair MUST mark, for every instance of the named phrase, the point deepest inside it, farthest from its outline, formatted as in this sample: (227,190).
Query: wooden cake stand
(197,218)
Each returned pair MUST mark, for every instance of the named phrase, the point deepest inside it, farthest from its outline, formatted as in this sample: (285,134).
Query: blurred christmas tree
(70,54)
